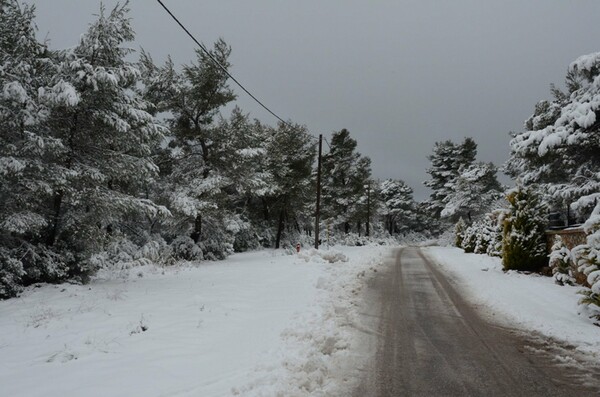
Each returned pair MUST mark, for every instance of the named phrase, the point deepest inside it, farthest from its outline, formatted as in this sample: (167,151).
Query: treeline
(105,161)
(556,163)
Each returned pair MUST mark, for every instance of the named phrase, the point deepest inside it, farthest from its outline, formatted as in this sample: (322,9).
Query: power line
(223,68)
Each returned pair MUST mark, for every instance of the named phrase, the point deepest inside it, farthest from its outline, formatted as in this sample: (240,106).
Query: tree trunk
(58,195)
(56,207)
(197,229)
(265,209)
(280,227)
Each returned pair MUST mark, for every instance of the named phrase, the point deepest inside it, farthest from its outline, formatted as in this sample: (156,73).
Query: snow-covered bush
(355,240)
(42,264)
(184,248)
(496,219)
(11,273)
(524,239)
(157,251)
(247,239)
(587,257)
(561,263)
(470,239)
(459,232)
(484,237)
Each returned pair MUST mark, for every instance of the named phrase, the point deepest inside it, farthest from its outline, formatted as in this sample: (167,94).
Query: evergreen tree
(524,240)
(398,206)
(192,161)
(290,158)
(559,149)
(447,161)
(346,176)
(459,232)
(76,142)
(473,192)
(588,262)
(560,263)
(105,137)
(24,142)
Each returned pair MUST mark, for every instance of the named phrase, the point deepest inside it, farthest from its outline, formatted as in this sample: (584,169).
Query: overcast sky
(398,74)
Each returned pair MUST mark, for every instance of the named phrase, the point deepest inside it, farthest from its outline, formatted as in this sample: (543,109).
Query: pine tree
(346,176)
(447,161)
(473,192)
(290,157)
(559,148)
(398,206)
(524,242)
(105,136)
(193,165)
(25,69)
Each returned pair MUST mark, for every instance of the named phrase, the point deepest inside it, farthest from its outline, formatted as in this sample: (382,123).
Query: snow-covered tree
(290,157)
(559,149)
(346,175)
(398,206)
(194,157)
(447,161)
(26,148)
(75,144)
(473,192)
(24,65)
(524,240)
(587,258)
(561,263)
(105,137)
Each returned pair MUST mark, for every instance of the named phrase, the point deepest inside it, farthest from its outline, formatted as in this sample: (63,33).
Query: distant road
(432,343)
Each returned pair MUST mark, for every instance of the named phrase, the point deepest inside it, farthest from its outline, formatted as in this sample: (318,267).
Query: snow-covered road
(530,302)
(433,343)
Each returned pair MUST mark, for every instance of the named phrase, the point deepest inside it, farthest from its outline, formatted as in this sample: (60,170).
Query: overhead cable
(223,68)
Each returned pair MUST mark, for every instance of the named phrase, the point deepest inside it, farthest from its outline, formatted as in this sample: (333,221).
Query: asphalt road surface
(432,343)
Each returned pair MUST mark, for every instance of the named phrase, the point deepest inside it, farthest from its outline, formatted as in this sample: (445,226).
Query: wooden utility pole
(318,209)
(368,209)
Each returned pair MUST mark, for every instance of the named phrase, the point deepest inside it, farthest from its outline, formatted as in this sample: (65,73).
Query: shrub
(11,273)
(459,232)
(470,239)
(184,248)
(523,242)
(497,219)
(588,260)
(561,263)
(483,238)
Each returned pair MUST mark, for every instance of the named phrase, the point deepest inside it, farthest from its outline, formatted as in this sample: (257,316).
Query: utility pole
(368,209)
(318,209)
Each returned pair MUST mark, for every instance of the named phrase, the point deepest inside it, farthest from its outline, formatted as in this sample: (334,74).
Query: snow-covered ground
(258,324)
(530,302)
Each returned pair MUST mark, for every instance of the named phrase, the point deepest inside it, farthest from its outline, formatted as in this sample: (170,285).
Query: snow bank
(257,324)
(321,355)
(531,302)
